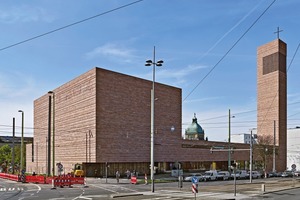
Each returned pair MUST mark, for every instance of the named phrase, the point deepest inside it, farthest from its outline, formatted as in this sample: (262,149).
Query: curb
(125,195)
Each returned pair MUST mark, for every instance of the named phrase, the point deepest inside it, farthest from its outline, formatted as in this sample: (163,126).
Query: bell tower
(272,100)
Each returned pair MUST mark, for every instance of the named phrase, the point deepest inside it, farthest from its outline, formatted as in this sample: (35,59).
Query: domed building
(194,131)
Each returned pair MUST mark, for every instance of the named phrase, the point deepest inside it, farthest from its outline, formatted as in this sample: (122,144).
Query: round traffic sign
(293,166)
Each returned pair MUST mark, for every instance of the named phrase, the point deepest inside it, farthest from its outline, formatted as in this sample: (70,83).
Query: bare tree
(263,151)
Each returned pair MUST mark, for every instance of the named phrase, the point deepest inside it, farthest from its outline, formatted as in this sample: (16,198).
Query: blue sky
(190,36)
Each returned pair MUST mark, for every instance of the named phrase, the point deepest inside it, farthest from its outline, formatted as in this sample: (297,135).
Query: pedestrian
(117,176)
(95,173)
(128,174)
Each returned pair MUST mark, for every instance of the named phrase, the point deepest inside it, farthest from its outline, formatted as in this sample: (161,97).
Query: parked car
(210,175)
(189,178)
(287,173)
(297,173)
(239,174)
(223,175)
(255,174)
(274,174)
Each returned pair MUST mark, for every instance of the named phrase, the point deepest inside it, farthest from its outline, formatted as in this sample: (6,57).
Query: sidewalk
(246,190)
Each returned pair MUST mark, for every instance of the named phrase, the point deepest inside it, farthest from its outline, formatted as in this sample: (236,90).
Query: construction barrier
(133,180)
(12,177)
(48,180)
(57,181)
(35,179)
(77,180)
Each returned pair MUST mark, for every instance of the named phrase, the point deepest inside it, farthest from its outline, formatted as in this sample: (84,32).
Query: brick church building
(102,118)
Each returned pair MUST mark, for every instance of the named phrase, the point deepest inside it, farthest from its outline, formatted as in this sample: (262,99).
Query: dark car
(287,174)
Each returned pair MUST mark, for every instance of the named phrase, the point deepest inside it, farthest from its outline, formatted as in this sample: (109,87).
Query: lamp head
(20,111)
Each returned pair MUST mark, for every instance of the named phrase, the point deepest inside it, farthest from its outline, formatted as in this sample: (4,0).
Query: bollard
(263,188)
(85,185)
(53,184)
(180,180)
(146,179)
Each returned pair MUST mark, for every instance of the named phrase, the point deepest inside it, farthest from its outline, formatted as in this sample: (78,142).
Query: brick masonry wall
(116,108)
(271,100)
(75,115)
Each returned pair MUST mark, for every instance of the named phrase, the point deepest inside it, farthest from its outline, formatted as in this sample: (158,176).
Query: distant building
(293,147)
(244,138)
(9,140)
(194,131)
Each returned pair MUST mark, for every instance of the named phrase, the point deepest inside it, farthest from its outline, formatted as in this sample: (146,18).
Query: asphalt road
(291,194)
(99,189)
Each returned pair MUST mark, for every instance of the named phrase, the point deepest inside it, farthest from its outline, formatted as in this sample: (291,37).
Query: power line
(69,25)
(293,57)
(222,58)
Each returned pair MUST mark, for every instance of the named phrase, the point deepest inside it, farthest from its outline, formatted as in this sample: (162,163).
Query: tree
(6,156)
(264,149)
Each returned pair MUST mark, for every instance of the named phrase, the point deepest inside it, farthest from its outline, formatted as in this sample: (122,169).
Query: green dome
(194,127)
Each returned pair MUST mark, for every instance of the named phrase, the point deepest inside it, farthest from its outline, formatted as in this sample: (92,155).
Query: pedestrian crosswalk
(175,195)
(184,195)
(10,189)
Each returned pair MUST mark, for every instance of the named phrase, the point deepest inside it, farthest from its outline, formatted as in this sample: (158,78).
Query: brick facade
(272,97)
(115,109)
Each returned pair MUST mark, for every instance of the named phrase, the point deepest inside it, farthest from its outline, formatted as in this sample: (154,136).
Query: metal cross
(277,32)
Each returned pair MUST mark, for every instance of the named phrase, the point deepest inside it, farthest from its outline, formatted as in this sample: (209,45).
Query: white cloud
(111,50)
(16,93)
(181,76)
(24,14)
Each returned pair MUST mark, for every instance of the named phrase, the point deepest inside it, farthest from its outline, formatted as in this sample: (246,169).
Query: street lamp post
(53,132)
(22,142)
(49,139)
(251,153)
(229,136)
(154,64)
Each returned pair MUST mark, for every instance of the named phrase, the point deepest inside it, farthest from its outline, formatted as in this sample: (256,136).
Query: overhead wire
(228,51)
(69,25)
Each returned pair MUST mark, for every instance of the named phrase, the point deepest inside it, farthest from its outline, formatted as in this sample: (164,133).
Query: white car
(210,175)
(239,174)
(223,175)
(189,178)
(255,174)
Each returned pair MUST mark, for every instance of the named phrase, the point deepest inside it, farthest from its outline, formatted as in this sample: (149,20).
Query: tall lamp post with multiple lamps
(154,64)
(22,142)
(53,132)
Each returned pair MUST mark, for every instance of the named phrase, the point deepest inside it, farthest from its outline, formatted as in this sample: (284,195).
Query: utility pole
(13,148)
(49,139)
(274,161)
(251,147)
(229,136)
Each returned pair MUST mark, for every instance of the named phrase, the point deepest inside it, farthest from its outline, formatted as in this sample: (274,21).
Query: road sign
(293,166)
(194,179)
(195,188)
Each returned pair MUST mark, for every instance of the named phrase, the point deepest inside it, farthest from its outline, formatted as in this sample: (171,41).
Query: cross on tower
(277,32)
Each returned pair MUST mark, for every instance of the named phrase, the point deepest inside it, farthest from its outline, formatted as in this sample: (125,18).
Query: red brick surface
(272,101)
(116,109)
